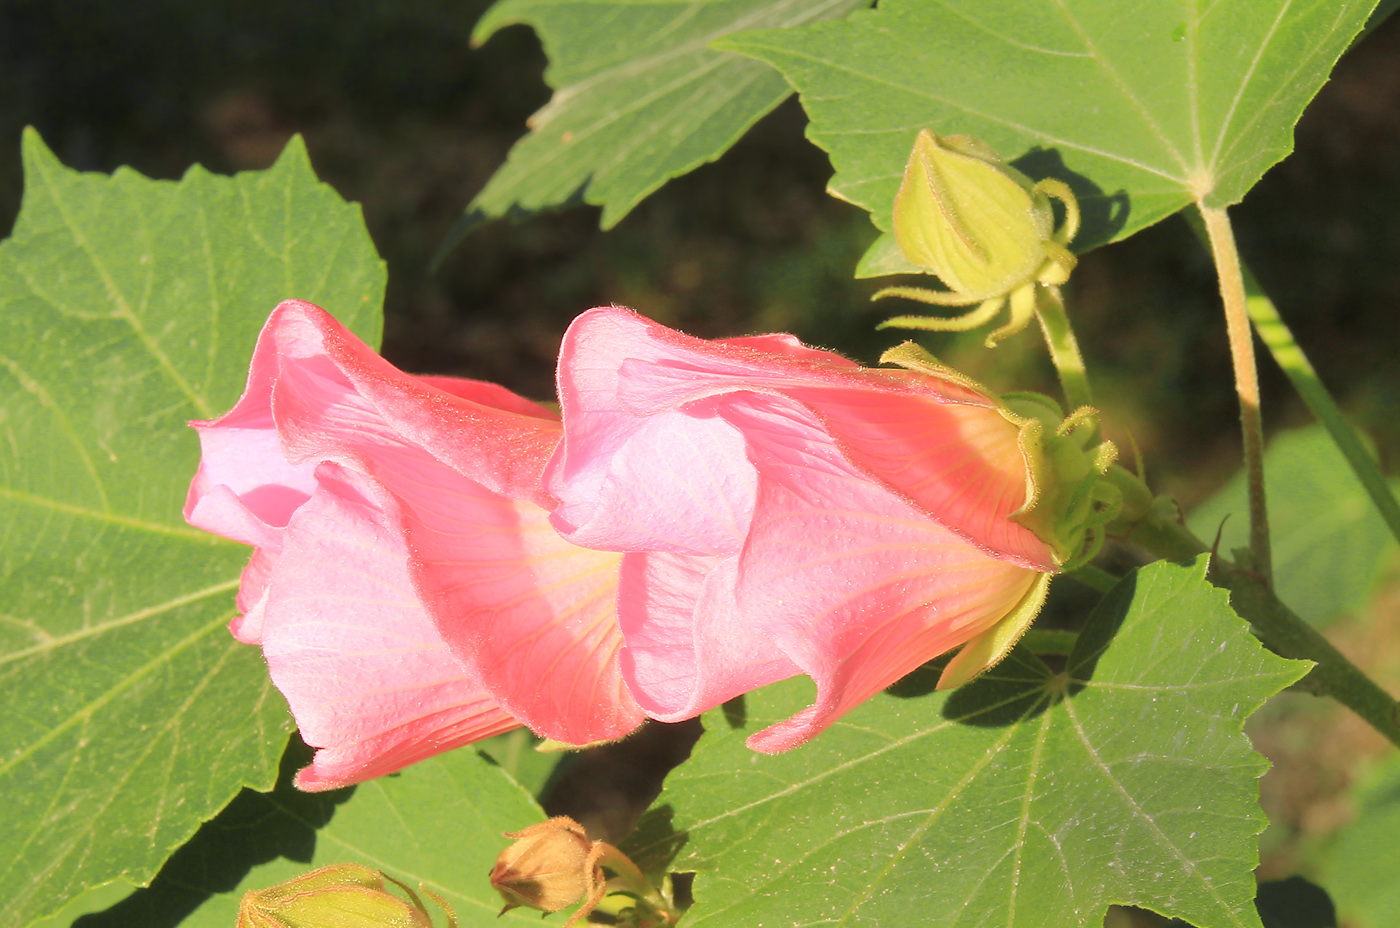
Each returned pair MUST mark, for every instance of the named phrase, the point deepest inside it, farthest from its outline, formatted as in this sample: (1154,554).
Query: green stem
(1279,340)
(634,881)
(1279,627)
(1227,267)
(1064,348)
(1285,633)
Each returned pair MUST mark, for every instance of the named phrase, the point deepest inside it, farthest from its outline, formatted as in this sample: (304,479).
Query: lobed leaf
(1026,798)
(1142,106)
(639,97)
(128,306)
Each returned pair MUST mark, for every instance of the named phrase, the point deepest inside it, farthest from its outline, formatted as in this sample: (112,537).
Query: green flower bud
(977,223)
(983,228)
(341,896)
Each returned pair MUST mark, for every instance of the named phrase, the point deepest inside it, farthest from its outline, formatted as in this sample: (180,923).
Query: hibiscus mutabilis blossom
(805,516)
(407,589)
(438,560)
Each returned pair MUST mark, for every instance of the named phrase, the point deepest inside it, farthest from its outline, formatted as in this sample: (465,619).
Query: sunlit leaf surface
(128,306)
(1143,106)
(438,823)
(1028,798)
(639,97)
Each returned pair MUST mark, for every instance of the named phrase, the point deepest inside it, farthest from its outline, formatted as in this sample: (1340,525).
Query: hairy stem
(1277,337)
(1280,628)
(1227,267)
(1064,348)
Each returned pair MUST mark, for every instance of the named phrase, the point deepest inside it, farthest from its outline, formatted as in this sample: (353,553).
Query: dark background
(400,114)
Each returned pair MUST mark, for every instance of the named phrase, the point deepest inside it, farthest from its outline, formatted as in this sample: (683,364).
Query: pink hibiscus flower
(407,589)
(805,515)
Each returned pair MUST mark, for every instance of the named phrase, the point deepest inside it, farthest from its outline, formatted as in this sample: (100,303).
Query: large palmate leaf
(1143,106)
(128,306)
(1329,543)
(438,823)
(639,97)
(1027,798)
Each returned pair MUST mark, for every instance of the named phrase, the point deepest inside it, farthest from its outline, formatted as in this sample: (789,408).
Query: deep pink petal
(533,614)
(678,667)
(370,681)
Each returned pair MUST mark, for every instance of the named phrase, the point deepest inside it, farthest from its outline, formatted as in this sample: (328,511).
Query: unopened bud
(341,896)
(977,223)
(983,228)
(550,866)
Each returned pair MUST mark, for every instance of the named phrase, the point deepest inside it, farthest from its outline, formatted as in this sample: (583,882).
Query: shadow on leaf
(1102,215)
(1099,632)
(655,842)
(253,829)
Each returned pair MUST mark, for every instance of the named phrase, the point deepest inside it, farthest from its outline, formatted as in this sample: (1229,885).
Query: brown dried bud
(550,866)
(342,896)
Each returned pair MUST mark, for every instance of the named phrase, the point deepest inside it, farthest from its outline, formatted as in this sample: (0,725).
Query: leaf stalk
(1227,267)
(1278,338)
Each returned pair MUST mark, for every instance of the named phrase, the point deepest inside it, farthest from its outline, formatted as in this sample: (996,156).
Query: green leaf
(515,752)
(128,306)
(439,822)
(1142,106)
(1361,866)
(639,98)
(1026,798)
(1330,545)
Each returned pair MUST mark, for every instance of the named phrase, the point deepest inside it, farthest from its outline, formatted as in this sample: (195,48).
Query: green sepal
(988,648)
(1073,499)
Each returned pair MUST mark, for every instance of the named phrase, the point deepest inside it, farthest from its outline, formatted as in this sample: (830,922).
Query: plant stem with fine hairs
(1227,267)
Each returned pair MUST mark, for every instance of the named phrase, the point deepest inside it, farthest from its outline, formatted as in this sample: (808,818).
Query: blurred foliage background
(402,115)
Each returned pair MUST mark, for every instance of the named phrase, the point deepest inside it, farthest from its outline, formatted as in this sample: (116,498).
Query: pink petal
(456,467)
(940,443)
(335,398)
(670,487)
(675,666)
(852,582)
(371,682)
(533,614)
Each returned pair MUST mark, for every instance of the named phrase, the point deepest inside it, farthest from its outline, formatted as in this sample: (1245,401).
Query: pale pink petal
(534,615)
(852,582)
(678,667)
(252,596)
(946,447)
(670,487)
(371,682)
